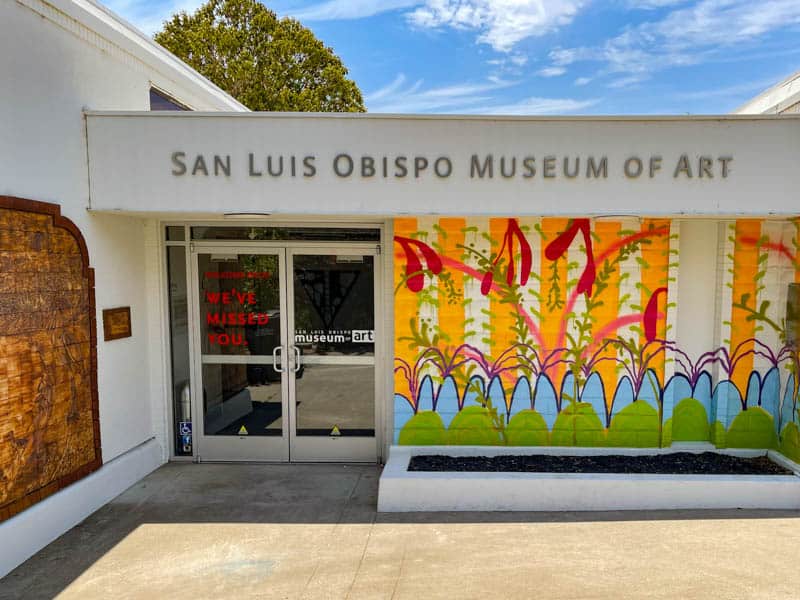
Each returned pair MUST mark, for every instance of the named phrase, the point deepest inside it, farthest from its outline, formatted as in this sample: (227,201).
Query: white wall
(52,67)
(123,372)
(697,287)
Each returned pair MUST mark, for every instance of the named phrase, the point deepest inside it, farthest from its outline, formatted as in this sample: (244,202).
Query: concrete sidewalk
(311,531)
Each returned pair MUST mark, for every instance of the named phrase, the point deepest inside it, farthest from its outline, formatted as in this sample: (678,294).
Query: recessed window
(176,233)
(161,101)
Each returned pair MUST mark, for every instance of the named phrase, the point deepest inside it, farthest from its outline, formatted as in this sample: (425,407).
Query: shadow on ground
(256,494)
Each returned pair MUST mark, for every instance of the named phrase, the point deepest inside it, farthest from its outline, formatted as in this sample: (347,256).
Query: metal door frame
(283,448)
(332,448)
(230,447)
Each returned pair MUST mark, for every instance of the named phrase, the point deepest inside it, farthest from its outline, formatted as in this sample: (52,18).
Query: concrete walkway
(311,531)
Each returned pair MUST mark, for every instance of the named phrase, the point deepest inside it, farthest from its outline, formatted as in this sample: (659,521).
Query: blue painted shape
(447,400)
(476,388)
(753,396)
(727,402)
(594,394)
(498,396)
(677,388)
(425,394)
(403,411)
(623,396)
(788,409)
(568,392)
(771,396)
(651,389)
(702,392)
(521,398)
(544,401)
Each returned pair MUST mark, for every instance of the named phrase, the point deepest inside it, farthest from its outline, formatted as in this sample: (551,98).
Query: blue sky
(544,56)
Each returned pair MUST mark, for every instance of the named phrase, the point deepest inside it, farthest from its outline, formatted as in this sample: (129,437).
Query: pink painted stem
(562,332)
(475,274)
(614,325)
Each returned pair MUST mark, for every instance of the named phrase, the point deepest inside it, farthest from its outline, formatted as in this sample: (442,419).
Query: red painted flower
(650,318)
(558,247)
(414,272)
(513,233)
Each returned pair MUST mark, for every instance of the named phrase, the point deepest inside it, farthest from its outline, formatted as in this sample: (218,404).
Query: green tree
(264,62)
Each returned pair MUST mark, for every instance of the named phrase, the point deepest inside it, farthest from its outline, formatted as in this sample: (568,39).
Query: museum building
(183,280)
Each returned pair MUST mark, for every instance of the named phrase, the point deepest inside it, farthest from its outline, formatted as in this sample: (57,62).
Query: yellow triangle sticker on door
(335,431)
(243,430)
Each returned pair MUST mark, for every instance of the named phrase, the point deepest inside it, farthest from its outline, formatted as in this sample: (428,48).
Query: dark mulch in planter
(707,463)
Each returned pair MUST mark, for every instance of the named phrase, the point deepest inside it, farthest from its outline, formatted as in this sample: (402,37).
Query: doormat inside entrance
(683,463)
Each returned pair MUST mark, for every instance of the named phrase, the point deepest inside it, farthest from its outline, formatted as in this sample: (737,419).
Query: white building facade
(218,285)
(58,59)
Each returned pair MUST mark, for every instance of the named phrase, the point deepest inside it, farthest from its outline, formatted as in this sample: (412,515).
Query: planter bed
(706,463)
(479,478)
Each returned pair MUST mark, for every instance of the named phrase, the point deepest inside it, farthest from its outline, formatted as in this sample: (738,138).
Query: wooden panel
(49,425)
(116,323)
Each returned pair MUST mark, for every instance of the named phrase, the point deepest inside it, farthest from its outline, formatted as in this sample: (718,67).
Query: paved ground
(269,531)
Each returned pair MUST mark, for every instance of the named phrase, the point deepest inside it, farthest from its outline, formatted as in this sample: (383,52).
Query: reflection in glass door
(286,360)
(241,336)
(332,325)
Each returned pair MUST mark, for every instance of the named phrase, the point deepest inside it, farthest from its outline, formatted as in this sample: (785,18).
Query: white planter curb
(404,491)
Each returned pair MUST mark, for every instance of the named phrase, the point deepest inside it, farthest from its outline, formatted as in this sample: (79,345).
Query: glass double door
(285,367)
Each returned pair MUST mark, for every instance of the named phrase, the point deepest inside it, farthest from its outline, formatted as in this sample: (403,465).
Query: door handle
(275,359)
(296,358)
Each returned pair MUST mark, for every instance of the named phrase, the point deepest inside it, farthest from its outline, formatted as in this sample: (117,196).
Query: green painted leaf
(423,429)
(690,422)
(635,426)
(473,426)
(752,428)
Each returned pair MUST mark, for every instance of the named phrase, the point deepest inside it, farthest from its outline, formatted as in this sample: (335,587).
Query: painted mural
(561,332)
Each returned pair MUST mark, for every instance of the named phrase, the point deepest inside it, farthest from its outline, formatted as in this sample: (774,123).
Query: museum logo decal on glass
(240,317)
(334,332)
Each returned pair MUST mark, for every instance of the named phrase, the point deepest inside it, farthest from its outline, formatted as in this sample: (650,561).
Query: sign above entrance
(485,166)
(391,165)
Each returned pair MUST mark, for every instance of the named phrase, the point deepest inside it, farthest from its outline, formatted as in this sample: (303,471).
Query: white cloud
(651,4)
(551,71)
(389,89)
(518,59)
(566,56)
(397,97)
(348,9)
(625,82)
(509,66)
(583,81)
(722,22)
(499,23)
(690,35)
(401,96)
(746,89)
(539,106)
